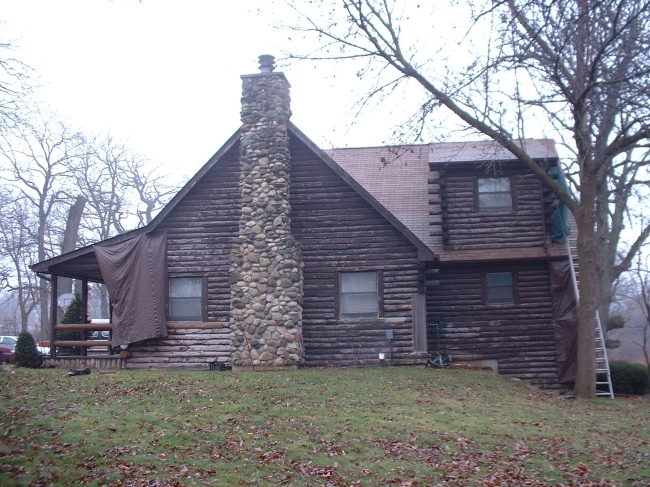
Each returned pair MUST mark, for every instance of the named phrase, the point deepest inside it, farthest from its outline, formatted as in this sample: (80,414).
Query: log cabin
(278,254)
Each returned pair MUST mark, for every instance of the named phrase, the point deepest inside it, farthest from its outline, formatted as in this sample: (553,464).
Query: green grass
(362,427)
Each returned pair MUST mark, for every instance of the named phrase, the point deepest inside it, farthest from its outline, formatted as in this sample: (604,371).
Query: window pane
(494,194)
(499,279)
(500,294)
(499,201)
(185,309)
(358,305)
(359,297)
(185,287)
(186,299)
(358,282)
(500,288)
(493,185)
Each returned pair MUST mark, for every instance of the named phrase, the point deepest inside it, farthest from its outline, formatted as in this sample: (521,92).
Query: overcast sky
(164,76)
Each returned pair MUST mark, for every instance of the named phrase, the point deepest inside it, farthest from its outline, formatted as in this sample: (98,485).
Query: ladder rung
(602,383)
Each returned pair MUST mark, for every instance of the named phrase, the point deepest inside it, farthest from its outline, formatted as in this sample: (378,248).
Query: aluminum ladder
(602,364)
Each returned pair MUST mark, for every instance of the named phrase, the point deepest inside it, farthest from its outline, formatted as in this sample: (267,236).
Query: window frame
(515,288)
(337,294)
(204,293)
(512,192)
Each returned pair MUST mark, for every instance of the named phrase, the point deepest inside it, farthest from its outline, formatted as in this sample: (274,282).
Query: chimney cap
(267,64)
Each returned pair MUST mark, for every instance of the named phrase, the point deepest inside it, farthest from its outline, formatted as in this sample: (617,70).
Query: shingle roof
(489,151)
(397,177)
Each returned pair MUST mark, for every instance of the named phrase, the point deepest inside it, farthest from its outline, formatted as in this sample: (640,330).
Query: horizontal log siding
(469,228)
(190,345)
(519,336)
(340,232)
(201,231)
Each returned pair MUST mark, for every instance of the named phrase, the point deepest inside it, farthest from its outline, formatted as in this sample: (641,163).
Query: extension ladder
(603,387)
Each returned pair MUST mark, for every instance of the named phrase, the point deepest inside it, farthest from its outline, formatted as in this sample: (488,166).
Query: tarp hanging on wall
(565,320)
(560,228)
(135,273)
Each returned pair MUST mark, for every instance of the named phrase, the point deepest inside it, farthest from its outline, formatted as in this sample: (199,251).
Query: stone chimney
(266,263)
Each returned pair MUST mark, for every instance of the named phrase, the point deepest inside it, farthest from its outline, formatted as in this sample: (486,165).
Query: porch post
(84,302)
(84,314)
(53,313)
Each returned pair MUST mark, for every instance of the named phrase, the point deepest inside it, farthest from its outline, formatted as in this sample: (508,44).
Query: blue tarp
(560,228)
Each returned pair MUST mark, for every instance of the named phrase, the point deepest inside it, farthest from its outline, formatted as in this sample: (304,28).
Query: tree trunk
(44,308)
(585,386)
(70,238)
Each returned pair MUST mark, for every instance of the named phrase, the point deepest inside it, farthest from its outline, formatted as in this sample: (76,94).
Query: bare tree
(14,83)
(152,189)
(99,177)
(620,203)
(637,297)
(36,154)
(71,237)
(580,65)
(17,248)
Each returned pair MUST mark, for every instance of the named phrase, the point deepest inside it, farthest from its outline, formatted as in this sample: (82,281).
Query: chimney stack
(266,264)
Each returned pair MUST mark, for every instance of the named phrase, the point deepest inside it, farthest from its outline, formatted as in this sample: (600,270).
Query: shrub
(72,315)
(26,354)
(629,378)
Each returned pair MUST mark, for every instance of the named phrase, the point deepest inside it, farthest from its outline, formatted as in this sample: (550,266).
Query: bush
(72,315)
(629,378)
(26,354)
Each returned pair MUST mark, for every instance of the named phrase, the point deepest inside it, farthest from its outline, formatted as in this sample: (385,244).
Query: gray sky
(163,75)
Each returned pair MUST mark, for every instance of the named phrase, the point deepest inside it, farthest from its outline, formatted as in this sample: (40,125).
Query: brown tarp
(565,320)
(135,273)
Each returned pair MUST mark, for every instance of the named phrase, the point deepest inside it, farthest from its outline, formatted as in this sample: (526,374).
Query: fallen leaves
(310,428)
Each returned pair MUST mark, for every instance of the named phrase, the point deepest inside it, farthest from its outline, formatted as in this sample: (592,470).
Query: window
(359,294)
(186,299)
(500,287)
(494,194)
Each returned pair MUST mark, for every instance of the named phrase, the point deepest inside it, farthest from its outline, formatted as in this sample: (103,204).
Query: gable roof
(81,262)
(397,177)
(425,251)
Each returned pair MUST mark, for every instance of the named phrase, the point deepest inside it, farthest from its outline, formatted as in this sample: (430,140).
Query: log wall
(103,362)
(519,336)
(202,230)
(189,345)
(455,215)
(338,231)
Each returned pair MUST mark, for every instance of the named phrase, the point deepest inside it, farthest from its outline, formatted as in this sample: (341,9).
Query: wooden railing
(84,343)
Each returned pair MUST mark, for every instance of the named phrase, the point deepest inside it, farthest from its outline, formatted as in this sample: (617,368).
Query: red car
(6,354)
(7,348)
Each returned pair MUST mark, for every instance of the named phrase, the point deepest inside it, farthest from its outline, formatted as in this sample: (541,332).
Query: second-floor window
(494,194)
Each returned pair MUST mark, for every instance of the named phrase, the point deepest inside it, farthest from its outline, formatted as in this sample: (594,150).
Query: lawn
(397,426)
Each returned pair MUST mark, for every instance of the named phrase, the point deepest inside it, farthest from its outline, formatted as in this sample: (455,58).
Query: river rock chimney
(266,264)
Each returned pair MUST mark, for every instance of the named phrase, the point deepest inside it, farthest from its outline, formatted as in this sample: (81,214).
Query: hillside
(334,427)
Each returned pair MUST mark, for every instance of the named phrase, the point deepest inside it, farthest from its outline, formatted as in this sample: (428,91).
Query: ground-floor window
(186,299)
(359,294)
(500,287)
